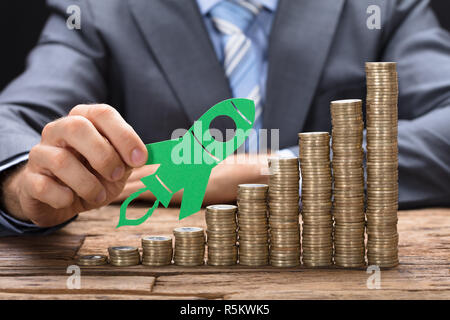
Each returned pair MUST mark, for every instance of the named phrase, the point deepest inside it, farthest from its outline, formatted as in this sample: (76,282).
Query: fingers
(47,190)
(80,134)
(121,135)
(66,167)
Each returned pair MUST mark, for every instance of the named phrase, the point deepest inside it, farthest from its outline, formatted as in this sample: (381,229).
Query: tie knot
(232,16)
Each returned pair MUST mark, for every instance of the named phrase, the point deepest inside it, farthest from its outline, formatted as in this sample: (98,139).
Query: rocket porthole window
(222,128)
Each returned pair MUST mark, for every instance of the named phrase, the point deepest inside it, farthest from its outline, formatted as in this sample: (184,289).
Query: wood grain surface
(35,267)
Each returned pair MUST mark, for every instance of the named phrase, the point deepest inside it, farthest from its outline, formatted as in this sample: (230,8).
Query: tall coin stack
(156,251)
(253,225)
(124,256)
(189,246)
(382,163)
(221,234)
(348,173)
(317,233)
(283,212)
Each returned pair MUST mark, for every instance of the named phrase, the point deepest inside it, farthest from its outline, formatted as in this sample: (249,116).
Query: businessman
(74,124)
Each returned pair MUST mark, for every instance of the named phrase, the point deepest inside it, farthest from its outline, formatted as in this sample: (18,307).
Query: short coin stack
(317,233)
(221,234)
(253,225)
(382,163)
(156,251)
(189,246)
(283,212)
(92,260)
(124,256)
(348,173)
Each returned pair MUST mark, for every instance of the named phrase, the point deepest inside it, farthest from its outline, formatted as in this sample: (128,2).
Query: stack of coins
(382,163)
(124,256)
(189,246)
(348,173)
(283,212)
(92,260)
(317,233)
(253,225)
(221,234)
(157,251)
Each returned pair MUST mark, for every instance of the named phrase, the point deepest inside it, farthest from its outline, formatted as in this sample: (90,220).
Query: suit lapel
(299,43)
(175,33)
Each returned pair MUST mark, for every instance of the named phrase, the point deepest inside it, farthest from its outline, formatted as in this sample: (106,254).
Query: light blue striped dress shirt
(258,32)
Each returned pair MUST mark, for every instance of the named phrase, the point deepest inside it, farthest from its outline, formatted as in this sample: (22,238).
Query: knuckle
(62,203)
(48,128)
(40,186)
(75,124)
(61,160)
(102,110)
(59,205)
(106,159)
(77,110)
(34,153)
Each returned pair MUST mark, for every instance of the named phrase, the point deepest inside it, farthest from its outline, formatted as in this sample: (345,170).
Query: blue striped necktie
(242,61)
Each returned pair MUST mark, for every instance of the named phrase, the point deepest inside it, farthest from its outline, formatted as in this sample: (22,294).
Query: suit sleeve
(66,68)
(422,50)
(413,38)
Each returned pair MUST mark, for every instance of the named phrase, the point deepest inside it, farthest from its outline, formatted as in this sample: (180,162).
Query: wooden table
(35,267)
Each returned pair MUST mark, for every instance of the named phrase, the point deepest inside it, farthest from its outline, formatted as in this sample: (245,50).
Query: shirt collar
(269,4)
(206,5)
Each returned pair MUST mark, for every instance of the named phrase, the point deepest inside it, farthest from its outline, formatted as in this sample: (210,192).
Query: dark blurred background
(22,20)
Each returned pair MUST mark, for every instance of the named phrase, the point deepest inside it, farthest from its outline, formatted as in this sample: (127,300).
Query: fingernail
(101,197)
(138,157)
(118,173)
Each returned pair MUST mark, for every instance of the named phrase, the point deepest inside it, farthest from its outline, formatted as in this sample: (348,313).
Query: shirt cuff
(13,162)
(10,226)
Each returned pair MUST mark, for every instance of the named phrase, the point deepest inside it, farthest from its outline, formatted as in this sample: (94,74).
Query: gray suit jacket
(153,61)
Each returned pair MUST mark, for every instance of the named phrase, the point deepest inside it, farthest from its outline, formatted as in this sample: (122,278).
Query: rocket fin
(124,221)
(154,185)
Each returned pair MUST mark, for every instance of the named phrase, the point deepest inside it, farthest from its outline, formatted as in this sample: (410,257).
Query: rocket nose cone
(245,108)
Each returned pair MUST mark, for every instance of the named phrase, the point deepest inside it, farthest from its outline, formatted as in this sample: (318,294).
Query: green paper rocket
(186,162)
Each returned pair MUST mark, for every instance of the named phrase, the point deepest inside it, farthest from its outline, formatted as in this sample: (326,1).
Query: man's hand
(222,186)
(81,163)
